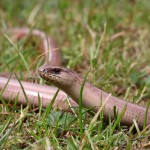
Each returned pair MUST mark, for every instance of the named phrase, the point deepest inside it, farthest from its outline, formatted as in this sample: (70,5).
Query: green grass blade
(118,119)
(39,105)
(49,107)
(2,140)
(5,126)
(80,103)
(19,53)
(2,91)
(26,98)
(71,144)
(146,114)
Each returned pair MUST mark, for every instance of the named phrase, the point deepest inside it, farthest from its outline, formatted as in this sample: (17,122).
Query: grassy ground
(120,66)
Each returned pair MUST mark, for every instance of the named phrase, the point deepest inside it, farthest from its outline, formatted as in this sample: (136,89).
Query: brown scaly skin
(70,82)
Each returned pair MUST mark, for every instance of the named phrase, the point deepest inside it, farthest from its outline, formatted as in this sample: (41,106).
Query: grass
(117,53)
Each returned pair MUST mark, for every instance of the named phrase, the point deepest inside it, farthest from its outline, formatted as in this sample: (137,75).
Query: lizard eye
(56,70)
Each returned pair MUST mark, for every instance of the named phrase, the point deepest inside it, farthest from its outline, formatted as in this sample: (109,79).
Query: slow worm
(70,82)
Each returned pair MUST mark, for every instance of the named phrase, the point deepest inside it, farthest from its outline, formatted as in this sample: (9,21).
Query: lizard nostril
(44,70)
